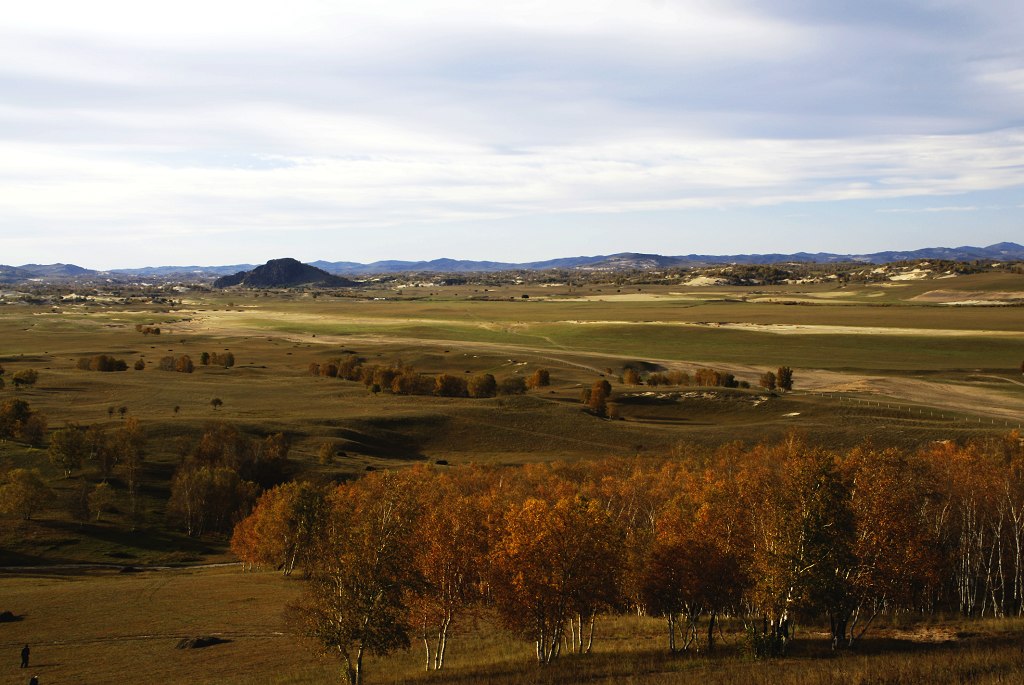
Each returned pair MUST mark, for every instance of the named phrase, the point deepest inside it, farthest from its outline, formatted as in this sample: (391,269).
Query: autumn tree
(630,376)
(482,385)
(283,528)
(449,553)
(102,362)
(541,378)
(512,385)
(802,533)
(688,574)
(767,381)
(708,377)
(216,403)
(784,378)
(597,398)
(13,414)
(33,429)
(898,552)
(68,449)
(409,382)
(555,563)
(22,493)
(356,600)
(226,359)
(448,385)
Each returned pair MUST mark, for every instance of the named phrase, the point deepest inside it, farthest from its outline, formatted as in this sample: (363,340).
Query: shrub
(102,362)
(447,385)
(482,385)
(512,385)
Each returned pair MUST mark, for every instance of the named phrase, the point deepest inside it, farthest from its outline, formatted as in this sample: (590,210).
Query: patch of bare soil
(969,296)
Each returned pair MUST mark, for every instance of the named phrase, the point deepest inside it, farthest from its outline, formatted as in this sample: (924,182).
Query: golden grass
(113,628)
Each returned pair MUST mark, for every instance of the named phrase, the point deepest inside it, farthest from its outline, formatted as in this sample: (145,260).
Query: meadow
(894,364)
(108,627)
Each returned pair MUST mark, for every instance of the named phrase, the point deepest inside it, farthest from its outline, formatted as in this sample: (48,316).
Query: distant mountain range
(617,262)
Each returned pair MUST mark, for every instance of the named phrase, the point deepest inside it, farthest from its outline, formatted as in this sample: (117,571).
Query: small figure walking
(24,656)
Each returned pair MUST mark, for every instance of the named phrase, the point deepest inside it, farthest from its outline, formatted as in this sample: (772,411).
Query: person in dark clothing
(24,656)
(34,680)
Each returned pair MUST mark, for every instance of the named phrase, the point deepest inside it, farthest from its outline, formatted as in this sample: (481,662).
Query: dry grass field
(93,627)
(898,363)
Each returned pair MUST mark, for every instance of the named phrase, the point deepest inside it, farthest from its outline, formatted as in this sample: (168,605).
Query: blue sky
(224,132)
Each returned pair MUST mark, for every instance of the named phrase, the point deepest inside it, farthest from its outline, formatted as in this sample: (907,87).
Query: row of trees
(184,363)
(782,378)
(404,380)
(102,362)
(773,535)
(181,364)
(225,359)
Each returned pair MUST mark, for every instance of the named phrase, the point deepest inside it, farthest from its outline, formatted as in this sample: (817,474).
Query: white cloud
(130,118)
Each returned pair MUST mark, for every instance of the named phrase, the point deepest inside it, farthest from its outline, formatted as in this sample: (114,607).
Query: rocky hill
(283,273)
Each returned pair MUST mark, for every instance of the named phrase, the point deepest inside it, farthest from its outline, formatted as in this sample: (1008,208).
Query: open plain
(899,363)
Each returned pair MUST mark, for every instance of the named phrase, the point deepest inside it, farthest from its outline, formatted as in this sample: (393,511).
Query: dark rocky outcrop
(283,273)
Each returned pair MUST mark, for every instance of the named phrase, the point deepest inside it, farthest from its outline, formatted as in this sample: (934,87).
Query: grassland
(894,364)
(104,627)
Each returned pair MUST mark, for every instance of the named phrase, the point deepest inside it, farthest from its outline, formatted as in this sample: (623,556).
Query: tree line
(772,535)
(781,379)
(399,379)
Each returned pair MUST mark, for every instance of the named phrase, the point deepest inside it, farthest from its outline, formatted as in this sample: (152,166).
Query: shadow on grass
(730,662)
(142,544)
(575,668)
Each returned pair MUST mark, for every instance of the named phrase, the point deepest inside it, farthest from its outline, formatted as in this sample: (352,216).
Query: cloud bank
(416,130)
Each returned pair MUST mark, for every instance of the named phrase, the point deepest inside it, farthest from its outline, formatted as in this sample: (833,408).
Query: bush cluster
(102,362)
(403,380)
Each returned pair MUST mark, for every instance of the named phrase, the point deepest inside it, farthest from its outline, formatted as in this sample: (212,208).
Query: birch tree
(553,564)
(356,600)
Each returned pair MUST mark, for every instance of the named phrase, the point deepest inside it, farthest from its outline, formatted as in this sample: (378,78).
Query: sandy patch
(970,297)
(915,275)
(703,281)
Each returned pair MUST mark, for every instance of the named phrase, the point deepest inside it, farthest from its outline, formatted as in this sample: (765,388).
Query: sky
(222,132)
